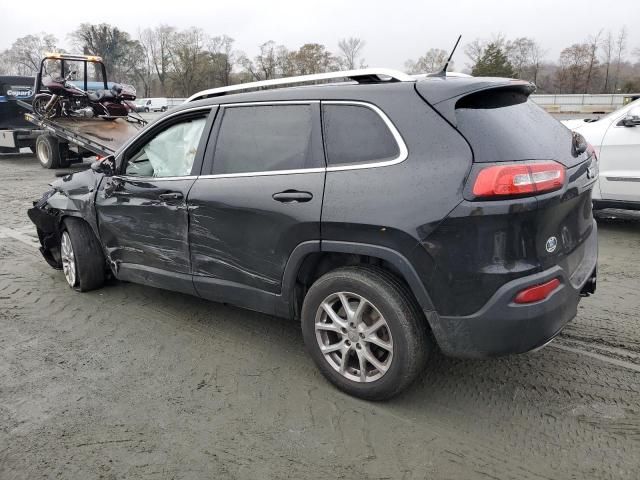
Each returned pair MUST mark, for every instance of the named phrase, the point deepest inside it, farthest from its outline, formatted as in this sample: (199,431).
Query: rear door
(260,195)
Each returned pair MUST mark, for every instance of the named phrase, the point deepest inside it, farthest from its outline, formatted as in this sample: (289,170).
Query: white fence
(583,103)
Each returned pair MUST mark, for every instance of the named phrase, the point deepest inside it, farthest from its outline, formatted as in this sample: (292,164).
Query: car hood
(574,124)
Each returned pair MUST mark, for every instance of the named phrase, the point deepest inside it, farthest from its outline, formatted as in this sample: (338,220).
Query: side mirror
(632,119)
(105,166)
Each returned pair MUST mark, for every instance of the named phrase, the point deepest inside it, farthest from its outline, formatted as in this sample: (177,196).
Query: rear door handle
(292,196)
(170,196)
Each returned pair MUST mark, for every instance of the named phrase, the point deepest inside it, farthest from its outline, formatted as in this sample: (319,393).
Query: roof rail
(365,75)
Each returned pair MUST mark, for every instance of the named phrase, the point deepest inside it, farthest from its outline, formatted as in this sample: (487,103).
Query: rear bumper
(503,327)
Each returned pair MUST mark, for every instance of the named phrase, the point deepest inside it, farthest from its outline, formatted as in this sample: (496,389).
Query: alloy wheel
(354,337)
(68,259)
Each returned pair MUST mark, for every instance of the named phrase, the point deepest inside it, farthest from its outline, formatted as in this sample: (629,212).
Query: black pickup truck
(15,131)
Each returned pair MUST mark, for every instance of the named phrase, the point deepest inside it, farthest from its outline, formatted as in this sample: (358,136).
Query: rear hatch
(517,232)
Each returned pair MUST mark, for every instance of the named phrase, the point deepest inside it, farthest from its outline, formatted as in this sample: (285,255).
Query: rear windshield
(504,125)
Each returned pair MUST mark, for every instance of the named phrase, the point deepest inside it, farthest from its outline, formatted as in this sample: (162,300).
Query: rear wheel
(83,262)
(365,332)
(48,151)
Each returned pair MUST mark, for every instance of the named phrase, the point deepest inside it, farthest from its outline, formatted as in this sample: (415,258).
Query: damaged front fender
(71,195)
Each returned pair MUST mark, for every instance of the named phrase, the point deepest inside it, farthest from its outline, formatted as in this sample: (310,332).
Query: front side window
(356,134)
(264,138)
(170,153)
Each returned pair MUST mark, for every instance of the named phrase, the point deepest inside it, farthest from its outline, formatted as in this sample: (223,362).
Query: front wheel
(365,331)
(40,106)
(83,262)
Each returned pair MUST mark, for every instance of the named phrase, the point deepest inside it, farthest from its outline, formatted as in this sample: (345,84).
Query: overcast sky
(394,31)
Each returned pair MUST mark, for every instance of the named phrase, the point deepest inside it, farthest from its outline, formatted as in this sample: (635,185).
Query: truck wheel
(47,151)
(365,332)
(83,262)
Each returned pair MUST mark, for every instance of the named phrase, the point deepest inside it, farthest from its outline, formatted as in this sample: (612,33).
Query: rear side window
(264,138)
(504,125)
(356,134)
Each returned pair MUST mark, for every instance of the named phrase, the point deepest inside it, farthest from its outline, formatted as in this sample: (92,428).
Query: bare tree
(475,50)
(350,49)
(606,47)
(222,59)
(537,57)
(573,62)
(104,40)
(520,54)
(188,59)
(157,43)
(620,48)
(594,44)
(432,61)
(24,56)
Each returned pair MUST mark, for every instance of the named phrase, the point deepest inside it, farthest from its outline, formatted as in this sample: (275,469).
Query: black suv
(386,214)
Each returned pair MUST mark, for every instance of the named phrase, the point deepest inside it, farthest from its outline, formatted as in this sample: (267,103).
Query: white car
(616,139)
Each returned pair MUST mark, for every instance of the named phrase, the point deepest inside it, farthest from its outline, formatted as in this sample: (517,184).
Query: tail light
(537,292)
(522,178)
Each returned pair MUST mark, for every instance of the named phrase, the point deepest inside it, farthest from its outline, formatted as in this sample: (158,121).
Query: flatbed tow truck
(66,140)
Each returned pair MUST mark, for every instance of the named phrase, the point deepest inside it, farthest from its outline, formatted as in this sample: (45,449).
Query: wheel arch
(310,260)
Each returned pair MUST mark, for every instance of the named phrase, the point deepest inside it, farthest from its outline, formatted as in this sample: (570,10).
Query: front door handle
(292,196)
(170,196)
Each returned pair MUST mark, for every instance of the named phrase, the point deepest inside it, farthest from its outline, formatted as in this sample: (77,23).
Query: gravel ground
(133,382)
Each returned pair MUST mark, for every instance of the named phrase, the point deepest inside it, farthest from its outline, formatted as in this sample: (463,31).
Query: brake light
(537,292)
(519,179)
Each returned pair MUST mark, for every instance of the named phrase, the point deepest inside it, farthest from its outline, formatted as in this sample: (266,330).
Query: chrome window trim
(402,147)
(403,151)
(133,178)
(402,156)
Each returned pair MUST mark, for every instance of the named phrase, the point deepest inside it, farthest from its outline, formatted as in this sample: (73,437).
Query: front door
(142,211)
(620,163)
(261,198)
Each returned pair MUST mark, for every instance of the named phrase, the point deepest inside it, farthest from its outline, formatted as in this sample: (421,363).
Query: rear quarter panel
(398,206)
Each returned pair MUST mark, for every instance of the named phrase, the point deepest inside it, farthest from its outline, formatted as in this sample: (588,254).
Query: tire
(146,110)
(404,329)
(48,151)
(85,259)
(163,109)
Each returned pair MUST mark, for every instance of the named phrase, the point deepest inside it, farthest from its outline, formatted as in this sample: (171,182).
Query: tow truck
(65,140)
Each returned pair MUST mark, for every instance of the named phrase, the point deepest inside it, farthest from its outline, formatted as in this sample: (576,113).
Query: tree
(593,45)
(493,63)
(430,62)
(526,55)
(188,60)
(157,44)
(607,46)
(222,59)
(350,49)
(264,66)
(106,41)
(313,58)
(573,63)
(24,56)
(620,48)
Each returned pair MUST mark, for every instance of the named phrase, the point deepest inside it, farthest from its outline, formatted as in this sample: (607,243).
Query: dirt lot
(133,382)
